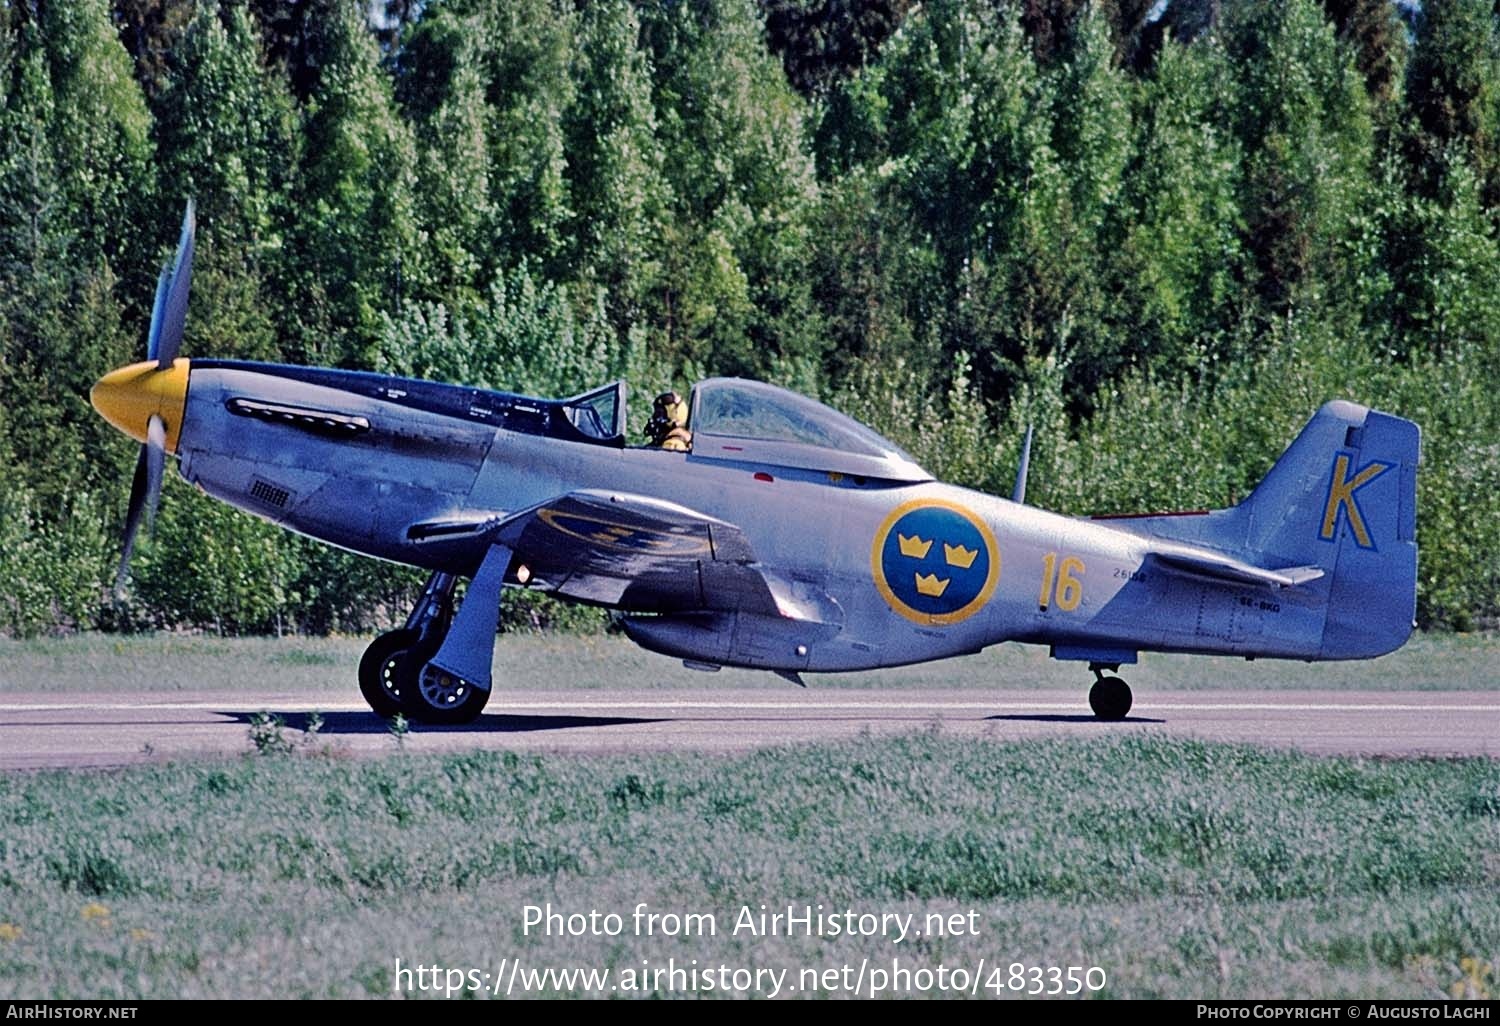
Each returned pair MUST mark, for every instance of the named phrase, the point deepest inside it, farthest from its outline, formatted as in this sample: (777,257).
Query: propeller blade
(168,314)
(153,339)
(166,333)
(132,520)
(145,490)
(156,458)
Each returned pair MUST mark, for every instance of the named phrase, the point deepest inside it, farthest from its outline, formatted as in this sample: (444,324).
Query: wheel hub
(441,689)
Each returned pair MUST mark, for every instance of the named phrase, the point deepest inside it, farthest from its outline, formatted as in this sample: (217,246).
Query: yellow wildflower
(1475,984)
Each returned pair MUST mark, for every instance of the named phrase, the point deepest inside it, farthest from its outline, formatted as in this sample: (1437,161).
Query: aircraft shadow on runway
(336,723)
(1068,718)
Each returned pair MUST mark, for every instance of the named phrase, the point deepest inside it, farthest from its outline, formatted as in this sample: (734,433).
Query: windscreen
(598,414)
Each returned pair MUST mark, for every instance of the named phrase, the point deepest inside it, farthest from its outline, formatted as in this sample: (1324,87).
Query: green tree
(360,250)
(150,31)
(59,294)
(1092,137)
(1374,30)
(226,130)
(1453,92)
(1442,260)
(51,570)
(212,566)
(59,329)
(971,122)
(823,42)
(617,194)
(527,50)
(734,290)
(227,137)
(295,34)
(529,337)
(1177,271)
(1302,117)
(873,278)
(441,87)
(100,132)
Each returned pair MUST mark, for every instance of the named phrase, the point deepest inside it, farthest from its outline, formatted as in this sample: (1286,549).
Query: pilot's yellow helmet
(672,408)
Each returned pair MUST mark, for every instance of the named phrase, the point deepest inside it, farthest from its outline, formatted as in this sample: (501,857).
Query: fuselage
(789,537)
(918,570)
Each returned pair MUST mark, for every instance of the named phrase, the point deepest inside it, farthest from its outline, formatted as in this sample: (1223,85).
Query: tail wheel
(378,671)
(1110,698)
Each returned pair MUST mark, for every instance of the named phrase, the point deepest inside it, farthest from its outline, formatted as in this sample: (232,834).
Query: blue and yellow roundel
(934,562)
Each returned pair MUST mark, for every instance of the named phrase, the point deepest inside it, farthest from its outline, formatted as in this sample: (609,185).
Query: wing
(643,554)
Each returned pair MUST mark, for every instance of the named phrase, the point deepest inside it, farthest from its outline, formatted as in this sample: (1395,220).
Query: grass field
(326,666)
(1182,869)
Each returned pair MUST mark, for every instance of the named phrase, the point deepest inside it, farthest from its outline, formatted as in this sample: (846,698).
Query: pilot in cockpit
(667,428)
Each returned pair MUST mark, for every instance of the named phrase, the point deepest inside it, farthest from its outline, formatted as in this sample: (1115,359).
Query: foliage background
(1163,234)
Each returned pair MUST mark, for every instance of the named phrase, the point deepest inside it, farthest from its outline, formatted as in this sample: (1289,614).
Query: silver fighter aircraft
(789,538)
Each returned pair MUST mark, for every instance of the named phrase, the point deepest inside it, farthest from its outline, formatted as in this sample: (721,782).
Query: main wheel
(431,695)
(377,671)
(1110,698)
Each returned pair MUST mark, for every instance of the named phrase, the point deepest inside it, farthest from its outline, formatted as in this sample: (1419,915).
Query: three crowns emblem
(958,556)
(913,547)
(916,547)
(931,584)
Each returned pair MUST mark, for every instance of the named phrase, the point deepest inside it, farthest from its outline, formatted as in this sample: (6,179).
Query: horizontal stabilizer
(1223,568)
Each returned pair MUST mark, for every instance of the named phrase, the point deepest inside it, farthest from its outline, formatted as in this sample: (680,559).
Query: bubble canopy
(750,421)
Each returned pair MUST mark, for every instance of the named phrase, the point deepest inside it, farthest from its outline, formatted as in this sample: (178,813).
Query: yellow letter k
(1341,489)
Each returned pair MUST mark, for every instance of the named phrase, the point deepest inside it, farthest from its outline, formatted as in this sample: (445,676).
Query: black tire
(430,695)
(378,671)
(1110,698)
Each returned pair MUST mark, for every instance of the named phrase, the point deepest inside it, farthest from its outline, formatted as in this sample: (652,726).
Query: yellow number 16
(1061,582)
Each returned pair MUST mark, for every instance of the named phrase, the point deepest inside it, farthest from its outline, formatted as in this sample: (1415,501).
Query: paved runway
(38,730)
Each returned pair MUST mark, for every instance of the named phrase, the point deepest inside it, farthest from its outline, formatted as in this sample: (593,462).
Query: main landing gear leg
(449,682)
(424,630)
(1110,697)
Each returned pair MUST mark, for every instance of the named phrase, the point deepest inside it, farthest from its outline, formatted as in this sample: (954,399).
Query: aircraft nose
(128,396)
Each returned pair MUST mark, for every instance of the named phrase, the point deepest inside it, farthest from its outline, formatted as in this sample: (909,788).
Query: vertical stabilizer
(1344,497)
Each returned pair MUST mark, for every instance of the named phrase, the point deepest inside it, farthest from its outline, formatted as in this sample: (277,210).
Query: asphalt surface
(38,730)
